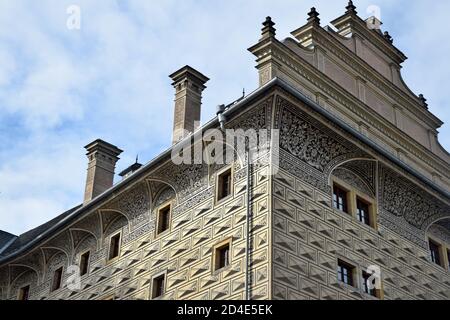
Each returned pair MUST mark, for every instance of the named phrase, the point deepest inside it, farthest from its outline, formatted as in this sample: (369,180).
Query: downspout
(249,216)
(222,120)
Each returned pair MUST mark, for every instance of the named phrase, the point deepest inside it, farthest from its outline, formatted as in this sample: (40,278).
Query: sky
(62,88)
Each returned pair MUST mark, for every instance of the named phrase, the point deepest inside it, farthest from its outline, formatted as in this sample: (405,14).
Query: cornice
(289,58)
(371,75)
(359,25)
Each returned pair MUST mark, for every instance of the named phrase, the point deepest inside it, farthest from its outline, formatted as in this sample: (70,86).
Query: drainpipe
(221,117)
(249,216)
(222,120)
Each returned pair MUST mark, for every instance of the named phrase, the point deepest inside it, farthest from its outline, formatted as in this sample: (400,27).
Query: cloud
(60,89)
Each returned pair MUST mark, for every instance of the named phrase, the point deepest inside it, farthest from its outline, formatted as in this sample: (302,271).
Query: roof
(34,237)
(6,239)
(134,167)
(35,233)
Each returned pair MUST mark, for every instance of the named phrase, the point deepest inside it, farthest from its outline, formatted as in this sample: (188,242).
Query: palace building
(357,205)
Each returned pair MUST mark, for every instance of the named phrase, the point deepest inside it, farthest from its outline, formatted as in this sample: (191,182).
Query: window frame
(353,270)
(338,185)
(219,175)
(156,277)
(158,218)
(113,235)
(20,295)
(448,259)
(216,257)
(353,195)
(440,249)
(55,288)
(88,262)
(377,293)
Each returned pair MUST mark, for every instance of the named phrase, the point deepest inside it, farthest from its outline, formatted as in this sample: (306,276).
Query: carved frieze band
(404,199)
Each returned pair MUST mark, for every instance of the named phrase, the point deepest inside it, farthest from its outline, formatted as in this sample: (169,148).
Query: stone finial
(314,16)
(423,100)
(388,37)
(351,9)
(268,31)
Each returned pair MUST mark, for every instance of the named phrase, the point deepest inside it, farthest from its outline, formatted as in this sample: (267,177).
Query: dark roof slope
(32,234)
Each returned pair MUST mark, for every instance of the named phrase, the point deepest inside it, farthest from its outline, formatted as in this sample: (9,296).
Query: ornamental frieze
(404,199)
(312,142)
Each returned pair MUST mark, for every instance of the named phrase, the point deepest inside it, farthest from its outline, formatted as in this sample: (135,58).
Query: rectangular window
(224,185)
(368,284)
(24,293)
(57,279)
(163,219)
(158,286)
(222,256)
(363,211)
(340,199)
(114,246)
(435,250)
(346,273)
(448,258)
(84,263)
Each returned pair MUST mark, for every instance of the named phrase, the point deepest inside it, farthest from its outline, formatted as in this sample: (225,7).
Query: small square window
(57,279)
(368,285)
(340,201)
(435,251)
(163,219)
(84,263)
(158,286)
(224,185)
(346,273)
(222,256)
(363,212)
(114,247)
(24,293)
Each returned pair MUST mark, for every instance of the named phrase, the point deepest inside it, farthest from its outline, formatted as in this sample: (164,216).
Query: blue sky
(61,88)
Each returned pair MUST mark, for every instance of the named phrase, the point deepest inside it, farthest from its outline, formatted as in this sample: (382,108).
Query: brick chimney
(189,85)
(102,158)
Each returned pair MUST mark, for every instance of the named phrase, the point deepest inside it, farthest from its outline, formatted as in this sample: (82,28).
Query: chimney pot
(189,85)
(102,157)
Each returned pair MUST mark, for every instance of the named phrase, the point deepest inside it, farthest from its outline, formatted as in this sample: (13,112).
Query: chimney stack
(102,158)
(189,85)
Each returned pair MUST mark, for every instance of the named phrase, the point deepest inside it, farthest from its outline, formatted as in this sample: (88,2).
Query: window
(84,263)
(163,219)
(435,253)
(57,278)
(158,286)
(366,285)
(114,246)
(448,258)
(222,256)
(346,273)
(340,199)
(363,212)
(24,293)
(224,185)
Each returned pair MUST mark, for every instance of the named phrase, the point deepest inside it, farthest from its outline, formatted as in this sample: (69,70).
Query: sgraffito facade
(359,182)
